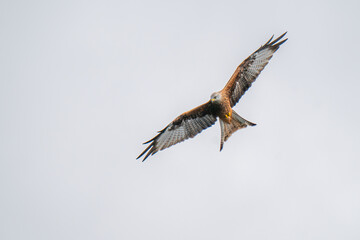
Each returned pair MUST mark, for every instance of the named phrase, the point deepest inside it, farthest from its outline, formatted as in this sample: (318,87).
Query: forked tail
(237,122)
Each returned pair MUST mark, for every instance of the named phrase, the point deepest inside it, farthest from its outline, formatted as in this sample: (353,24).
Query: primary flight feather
(192,122)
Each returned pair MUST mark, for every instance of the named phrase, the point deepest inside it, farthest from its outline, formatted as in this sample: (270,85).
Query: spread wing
(247,72)
(185,126)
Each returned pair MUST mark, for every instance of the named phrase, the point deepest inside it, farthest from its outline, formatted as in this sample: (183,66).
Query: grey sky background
(84,83)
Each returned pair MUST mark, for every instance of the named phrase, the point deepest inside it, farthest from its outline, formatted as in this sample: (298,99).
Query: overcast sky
(84,83)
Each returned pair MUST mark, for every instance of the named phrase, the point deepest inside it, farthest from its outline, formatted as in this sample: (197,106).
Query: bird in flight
(220,105)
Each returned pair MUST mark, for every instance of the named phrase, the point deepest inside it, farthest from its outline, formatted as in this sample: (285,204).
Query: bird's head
(215,97)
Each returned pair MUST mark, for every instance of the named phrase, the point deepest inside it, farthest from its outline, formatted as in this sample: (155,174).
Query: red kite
(220,105)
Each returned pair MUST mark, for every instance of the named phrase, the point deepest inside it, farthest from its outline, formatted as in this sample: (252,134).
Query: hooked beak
(212,100)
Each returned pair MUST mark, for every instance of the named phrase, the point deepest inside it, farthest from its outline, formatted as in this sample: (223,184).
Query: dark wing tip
(150,150)
(269,40)
(279,43)
(147,149)
(275,42)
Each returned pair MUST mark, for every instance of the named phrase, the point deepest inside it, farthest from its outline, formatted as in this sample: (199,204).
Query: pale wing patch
(176,133)
(252,67)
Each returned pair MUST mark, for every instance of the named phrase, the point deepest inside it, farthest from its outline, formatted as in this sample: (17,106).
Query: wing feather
(247,72)
(185,126)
